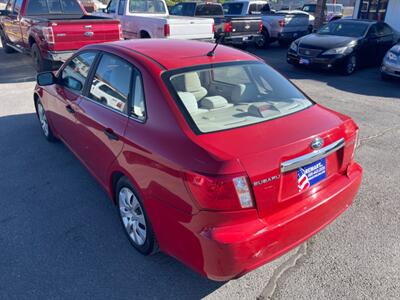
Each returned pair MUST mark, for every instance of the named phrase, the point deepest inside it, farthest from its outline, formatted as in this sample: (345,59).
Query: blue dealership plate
(311,174)
(304,61)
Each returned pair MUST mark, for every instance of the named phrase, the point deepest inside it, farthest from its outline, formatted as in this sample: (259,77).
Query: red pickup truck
(51,30)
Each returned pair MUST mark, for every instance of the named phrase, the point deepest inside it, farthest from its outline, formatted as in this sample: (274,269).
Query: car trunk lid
(266,146)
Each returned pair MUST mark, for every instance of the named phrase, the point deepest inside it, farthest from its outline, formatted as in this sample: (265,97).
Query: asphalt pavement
(60,236)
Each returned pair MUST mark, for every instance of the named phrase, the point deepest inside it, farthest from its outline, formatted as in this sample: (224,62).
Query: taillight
(212,27)
(261,26)
(167,31)
(48,35)
(121,36)
(228,27)
(282,23)
(221,192)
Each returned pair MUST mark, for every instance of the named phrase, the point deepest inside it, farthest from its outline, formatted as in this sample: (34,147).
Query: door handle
(111,134)
(70,109)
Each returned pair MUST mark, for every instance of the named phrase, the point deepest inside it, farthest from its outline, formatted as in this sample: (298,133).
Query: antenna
(219,40)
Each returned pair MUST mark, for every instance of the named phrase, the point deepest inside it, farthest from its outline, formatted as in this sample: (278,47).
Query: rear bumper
(291,36)
(232,250)
(243,39)
(59,55)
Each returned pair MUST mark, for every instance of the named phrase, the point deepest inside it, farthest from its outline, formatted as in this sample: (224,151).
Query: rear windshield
(232,8)
(209,10)
(221,97)
(46,7)
(309,8)
(147,6)
(350,29)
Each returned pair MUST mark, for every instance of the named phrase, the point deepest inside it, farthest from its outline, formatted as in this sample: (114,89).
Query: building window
(373,9)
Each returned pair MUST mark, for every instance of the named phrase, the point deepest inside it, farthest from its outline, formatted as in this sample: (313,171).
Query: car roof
(174,54)
(357,21)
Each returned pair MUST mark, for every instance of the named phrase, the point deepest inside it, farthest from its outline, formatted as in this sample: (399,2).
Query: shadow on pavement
(60,235)
(16,67)
(357,83)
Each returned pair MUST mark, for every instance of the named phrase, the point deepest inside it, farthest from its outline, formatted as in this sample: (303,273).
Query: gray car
(391,63)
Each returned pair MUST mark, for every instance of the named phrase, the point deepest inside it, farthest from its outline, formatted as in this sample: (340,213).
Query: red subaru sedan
(212,157)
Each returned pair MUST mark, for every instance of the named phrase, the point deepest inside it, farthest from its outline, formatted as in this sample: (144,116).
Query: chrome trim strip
(309,158)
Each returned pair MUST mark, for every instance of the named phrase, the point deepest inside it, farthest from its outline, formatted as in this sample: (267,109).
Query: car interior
(227,97)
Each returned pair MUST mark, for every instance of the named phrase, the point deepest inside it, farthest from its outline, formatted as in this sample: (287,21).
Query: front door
(103,114)
(68,93)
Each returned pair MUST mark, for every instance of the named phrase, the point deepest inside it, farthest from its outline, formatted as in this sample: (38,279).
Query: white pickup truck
(150,19)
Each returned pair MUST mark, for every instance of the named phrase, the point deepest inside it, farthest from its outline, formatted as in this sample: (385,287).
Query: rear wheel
(134,218)
(6,48)
(41,64)
(265,41)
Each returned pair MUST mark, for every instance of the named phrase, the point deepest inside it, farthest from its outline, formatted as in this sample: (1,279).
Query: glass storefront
(373,9)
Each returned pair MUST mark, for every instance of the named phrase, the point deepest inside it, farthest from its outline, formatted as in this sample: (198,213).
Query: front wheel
(44,124)
(134,218)
(350,65)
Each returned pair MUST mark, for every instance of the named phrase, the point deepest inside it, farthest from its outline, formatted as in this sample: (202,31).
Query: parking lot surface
(60,236)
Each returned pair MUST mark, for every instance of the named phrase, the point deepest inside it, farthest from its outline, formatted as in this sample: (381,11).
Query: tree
(320,17)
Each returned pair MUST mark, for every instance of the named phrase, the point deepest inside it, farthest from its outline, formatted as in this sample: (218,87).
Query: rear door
(385,39)
(103,113)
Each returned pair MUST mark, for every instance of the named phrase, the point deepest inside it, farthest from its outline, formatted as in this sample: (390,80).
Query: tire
(41,64)
(44,124)
(6,48)
(266,39)
(350,65)
(134,218)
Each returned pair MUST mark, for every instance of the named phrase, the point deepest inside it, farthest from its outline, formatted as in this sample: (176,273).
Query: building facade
(380,10)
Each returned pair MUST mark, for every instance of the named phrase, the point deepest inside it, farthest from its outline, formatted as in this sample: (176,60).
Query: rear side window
(45,7)
(17,7)
(209,10)
(121,7)
(111,83)
(74,75)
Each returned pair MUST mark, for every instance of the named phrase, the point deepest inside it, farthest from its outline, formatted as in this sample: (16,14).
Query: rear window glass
(229,96)
(209,10)
(147,6)
(232,8)
(45,7)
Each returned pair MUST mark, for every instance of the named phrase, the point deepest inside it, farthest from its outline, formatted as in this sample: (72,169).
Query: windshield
(46,7)
(350,29)
(309,8)
(233,8)
(147,6)
(222,97)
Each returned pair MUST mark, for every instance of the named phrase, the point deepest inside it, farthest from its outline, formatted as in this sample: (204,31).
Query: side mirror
(3,12)
(45,78)
(104,10)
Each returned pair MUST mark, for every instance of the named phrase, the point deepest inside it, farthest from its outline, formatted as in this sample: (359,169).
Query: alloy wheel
(43,120)
(351,65)
(132,216)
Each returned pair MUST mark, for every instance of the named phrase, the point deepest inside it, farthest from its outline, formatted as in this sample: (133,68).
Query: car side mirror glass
(45,78)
